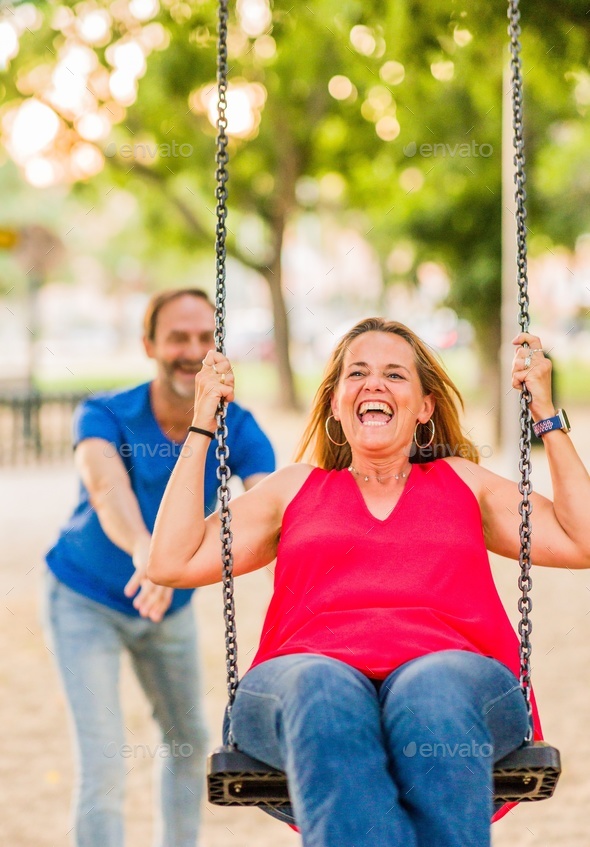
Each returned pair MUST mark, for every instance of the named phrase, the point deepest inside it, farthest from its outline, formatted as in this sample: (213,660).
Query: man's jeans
(88,639)
(406,764)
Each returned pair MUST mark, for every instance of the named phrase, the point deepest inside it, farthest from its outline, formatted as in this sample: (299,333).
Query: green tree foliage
(415,137)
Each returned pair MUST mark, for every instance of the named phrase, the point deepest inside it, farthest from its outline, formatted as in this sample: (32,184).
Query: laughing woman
(385,683)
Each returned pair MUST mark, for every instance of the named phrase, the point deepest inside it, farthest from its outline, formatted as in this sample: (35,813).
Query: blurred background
(366,176)
(370,173)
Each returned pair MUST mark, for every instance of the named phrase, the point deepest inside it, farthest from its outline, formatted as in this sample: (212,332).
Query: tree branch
(187,213)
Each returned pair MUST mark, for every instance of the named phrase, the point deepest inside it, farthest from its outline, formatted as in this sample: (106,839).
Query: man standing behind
(99,599)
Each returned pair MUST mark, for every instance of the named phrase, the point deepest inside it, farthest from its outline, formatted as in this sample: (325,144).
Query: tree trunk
(488,344)
(289,168)
(272,273)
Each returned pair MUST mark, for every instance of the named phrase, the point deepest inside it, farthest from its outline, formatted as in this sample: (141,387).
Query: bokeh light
(143,10)
(392,73)
(255,16)
(94,126)
(363,40)
(341,88)
(85,160)
(411,179)
(42,172)
(94,26)
(32,127)
(462,37)
(442,71)
(8,43)
(123,87)
(387,128)
(245,102)
(265,47)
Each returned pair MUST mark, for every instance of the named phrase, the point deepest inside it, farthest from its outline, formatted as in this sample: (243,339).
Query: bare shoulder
(285,484)
(472,475)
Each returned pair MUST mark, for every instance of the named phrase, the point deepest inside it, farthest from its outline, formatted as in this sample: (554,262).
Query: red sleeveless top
(377,593)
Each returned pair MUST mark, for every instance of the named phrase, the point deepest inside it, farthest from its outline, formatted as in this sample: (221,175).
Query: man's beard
(183,388)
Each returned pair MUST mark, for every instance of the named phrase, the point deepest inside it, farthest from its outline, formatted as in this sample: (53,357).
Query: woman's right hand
(215,381)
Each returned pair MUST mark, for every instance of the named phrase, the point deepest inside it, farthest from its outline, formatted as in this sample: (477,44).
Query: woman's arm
(186,548)
(561,531)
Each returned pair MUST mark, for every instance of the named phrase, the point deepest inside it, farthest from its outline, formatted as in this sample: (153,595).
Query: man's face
(184,333)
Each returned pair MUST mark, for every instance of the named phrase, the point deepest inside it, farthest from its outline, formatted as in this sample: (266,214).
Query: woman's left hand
(532,368)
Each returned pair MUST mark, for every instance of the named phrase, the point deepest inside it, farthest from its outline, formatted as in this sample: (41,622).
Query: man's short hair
(158,300)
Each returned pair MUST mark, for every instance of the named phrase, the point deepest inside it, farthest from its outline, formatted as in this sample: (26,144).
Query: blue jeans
(88,639)
(408,762)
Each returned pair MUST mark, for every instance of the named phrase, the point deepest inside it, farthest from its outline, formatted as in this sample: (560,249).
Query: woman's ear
(427,410)
(334,406)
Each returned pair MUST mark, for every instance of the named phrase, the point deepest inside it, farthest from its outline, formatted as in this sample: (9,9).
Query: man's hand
(152,600)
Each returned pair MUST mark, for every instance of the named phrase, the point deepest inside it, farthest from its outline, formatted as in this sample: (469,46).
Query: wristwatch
(560,421)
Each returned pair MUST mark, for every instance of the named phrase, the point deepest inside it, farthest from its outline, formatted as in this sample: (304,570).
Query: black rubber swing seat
(234,779)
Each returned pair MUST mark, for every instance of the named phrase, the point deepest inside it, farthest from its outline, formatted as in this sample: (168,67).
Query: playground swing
(235,779)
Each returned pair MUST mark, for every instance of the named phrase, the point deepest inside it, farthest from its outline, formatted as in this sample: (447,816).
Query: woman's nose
(374,381)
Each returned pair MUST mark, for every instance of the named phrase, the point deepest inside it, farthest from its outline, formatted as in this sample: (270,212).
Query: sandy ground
(35,754)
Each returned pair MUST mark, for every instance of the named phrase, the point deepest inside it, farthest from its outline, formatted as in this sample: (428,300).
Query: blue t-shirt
(83,557)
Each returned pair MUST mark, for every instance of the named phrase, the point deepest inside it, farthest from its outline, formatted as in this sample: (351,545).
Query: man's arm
(252,456)
(117,508)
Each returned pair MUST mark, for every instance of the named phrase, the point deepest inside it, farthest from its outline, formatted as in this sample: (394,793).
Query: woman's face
(379,399)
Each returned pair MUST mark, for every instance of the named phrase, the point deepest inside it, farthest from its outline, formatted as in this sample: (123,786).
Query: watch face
(564,420)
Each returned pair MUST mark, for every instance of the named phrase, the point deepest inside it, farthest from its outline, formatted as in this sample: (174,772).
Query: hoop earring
(429,442)
(330,437)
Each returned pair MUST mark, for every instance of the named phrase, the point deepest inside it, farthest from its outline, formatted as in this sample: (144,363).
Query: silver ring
(222,378)
(537,350)
(214,368)
(527,362)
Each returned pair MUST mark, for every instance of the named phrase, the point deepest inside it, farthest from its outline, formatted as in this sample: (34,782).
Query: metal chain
(525,582)
(222,451)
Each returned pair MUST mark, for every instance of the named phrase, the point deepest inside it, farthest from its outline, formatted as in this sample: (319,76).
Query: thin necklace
(366,477)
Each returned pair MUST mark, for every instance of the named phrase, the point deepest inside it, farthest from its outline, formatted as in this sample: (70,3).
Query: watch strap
(558,421)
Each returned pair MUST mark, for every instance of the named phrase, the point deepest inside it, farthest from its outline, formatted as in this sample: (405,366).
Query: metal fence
(36,427)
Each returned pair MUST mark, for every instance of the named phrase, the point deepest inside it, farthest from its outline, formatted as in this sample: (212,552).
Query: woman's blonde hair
(449,439)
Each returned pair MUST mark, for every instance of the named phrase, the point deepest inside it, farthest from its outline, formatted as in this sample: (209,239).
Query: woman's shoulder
(469,472)
(289,480)
(284,484)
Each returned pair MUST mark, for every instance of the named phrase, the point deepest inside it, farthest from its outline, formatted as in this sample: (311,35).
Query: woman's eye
(395,376)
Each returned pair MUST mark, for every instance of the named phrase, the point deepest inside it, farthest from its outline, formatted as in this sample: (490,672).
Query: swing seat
(528,773)
(235,779)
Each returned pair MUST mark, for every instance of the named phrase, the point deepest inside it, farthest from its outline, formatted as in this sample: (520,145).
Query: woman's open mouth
(374,413)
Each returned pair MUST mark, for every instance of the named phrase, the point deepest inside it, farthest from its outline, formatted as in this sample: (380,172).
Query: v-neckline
(364,502)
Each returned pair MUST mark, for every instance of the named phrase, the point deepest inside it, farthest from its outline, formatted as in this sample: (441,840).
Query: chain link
(222,451)
(525,582)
